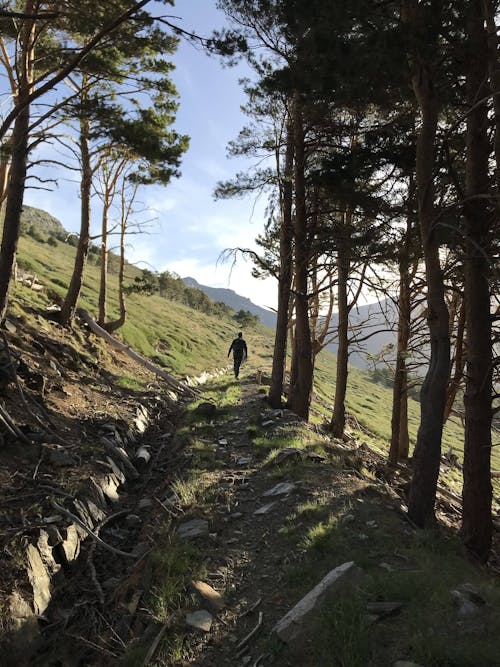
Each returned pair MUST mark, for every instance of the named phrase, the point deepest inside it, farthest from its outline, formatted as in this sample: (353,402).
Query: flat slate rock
(280,489)
(201,620)
(193,528)
(265,508)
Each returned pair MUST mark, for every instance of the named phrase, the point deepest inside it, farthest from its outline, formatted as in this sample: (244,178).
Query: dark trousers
(237,359)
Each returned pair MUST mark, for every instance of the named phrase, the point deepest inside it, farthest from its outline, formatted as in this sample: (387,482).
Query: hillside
(86,411)
(376,319)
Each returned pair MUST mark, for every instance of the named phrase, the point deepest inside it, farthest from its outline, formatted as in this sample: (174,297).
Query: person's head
(240,335)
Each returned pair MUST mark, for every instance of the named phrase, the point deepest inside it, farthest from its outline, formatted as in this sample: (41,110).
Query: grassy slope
(188,342)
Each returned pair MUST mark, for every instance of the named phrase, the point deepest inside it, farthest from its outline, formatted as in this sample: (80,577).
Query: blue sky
(191,228)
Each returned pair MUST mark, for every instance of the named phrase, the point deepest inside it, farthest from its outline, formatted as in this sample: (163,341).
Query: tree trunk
(400,443)
(19,143)
(426,459)
(285,276)
(69,306)
(477,490)
(337,423)
(104,262)
(14,205)
(116,324)
(459,361)
(300,390)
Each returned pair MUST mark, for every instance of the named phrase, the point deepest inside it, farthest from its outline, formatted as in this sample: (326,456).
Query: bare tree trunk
(103,284)
(285,277)
(300,390)
(400,440)
(477,489)
(459,361)
(69,306)
(400,443)
(337,423)
(426,459)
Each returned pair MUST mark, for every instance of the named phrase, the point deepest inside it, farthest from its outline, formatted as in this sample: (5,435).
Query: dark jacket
(239,348)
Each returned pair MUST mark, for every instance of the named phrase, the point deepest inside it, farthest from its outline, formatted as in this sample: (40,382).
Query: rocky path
(246,549)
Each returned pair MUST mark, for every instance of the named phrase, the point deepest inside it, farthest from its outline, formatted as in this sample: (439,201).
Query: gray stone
(201,620)
(467,599)
(39,579)
(141,421)
(117,471)
(265,508)
(109,484)
(24,623)
(280,489)
(96,512)
(9,326)
(45,549)
(292,626)
(193,528)
(83,512)
(71,544)
(244,460)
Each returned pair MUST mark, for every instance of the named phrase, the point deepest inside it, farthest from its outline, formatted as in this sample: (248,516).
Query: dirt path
(248,549)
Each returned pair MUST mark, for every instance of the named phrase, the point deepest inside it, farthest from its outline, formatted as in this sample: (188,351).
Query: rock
(206,410)
(44,547)
(109,485)
(467,599)
(280,489)
(222,441)
(96,512)
(317,458)
(141,421)
(265,508)
(244,460)
(292,626)
(117,471)
(25,626)
(193,528)
(39,579)
(71,544)
(405,663)
(201,620)
(212,599)
(286,454)
(9,326)
(383,609)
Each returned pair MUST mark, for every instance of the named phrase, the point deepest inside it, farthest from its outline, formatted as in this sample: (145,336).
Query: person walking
(240,352)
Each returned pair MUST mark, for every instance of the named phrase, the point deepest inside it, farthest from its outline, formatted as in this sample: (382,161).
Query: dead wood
(152,649)
(242,646)
(169,379)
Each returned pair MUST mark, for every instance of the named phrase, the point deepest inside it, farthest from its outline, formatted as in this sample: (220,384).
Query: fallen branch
(91,533)
(250,609)
(154,645)
(242,646)
(137,357)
